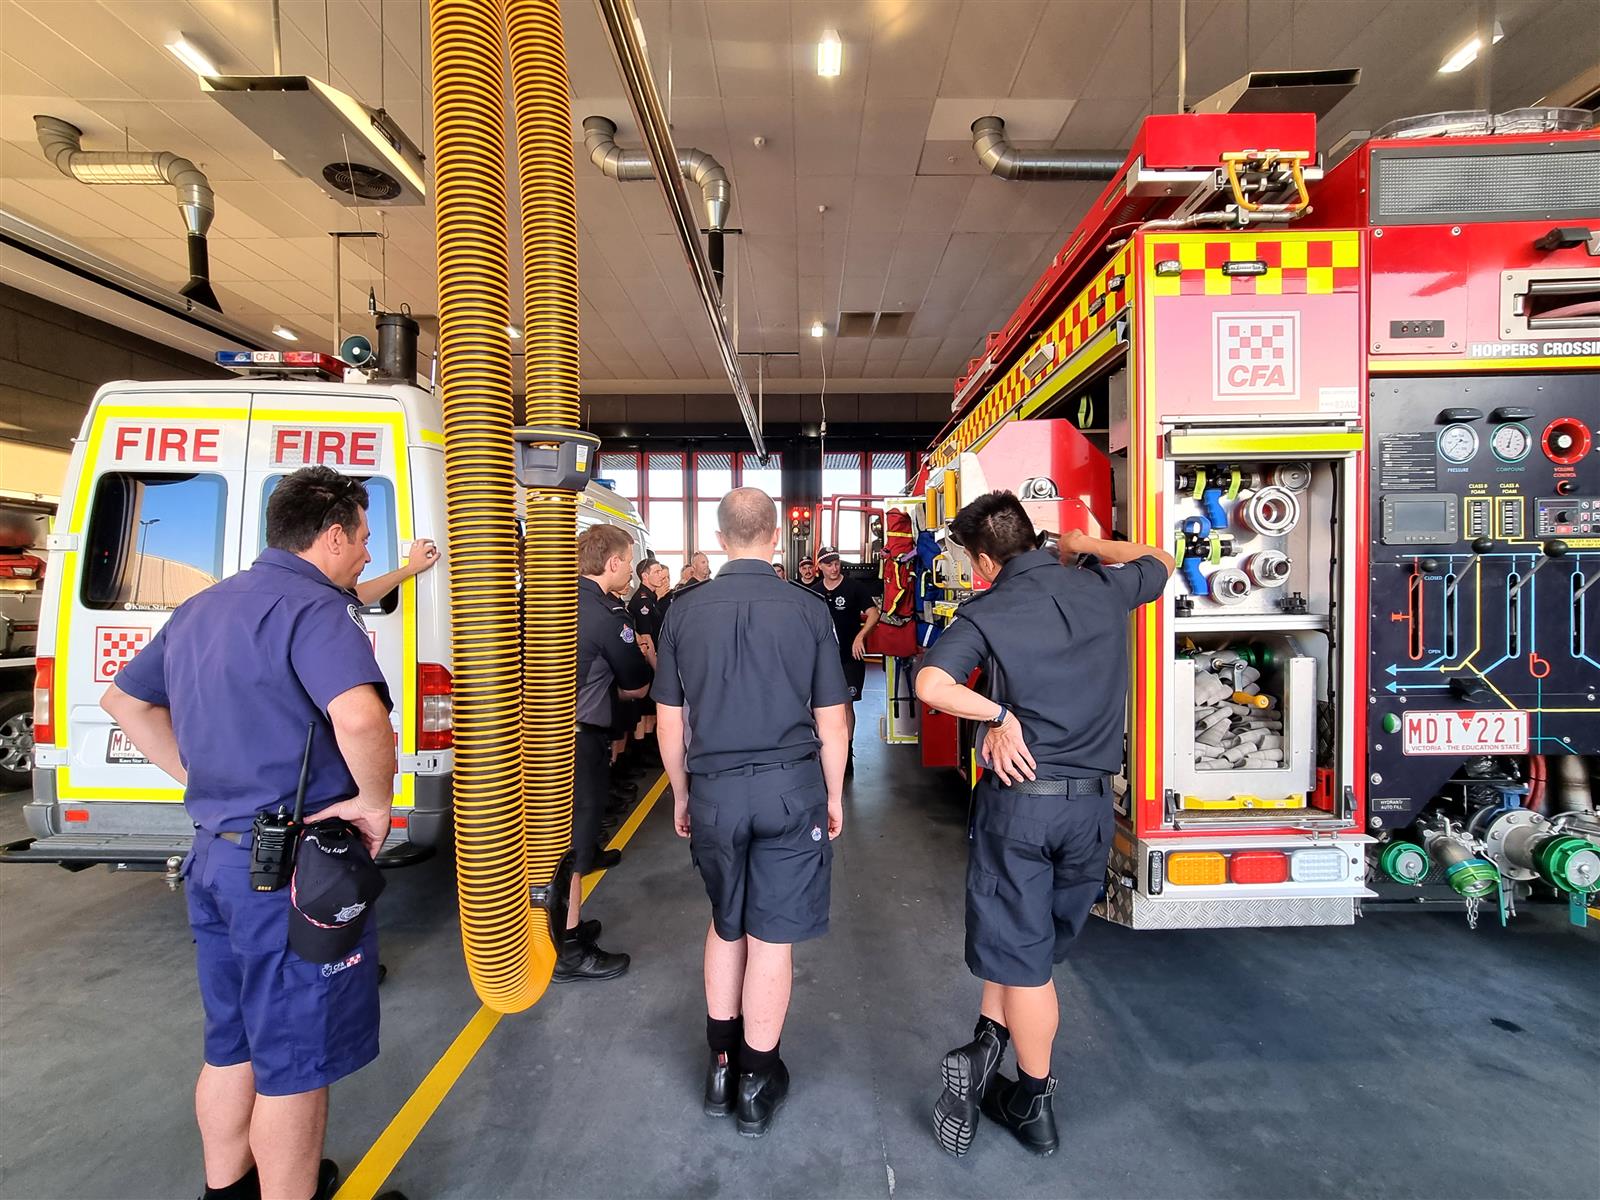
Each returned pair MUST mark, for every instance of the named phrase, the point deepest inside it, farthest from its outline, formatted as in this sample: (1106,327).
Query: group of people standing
(749,681)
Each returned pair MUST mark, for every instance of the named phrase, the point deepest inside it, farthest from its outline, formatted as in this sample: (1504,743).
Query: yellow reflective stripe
(1379,366)
(432,437)
(1265,443)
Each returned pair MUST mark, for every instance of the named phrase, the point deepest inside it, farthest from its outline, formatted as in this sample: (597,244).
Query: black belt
(755,769)
(598,730)
(1097,785)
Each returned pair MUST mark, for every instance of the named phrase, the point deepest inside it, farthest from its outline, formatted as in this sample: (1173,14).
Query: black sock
(1030,1086)
(753,1061)
(246,1187)
(999,1030)
(724,1036)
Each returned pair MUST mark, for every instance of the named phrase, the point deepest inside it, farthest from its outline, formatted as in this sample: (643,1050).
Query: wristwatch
(999,718)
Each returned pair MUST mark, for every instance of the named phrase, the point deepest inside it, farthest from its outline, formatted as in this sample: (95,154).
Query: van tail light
(1258,866)
(1196,868)
(44,702)
(436,728)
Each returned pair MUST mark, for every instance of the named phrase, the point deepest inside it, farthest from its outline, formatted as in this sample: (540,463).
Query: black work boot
(1029,1117)
(586,931)
(760,1094)
(327,1180)
(246,1187)
(722,1082)
(968,1072)
(578,960)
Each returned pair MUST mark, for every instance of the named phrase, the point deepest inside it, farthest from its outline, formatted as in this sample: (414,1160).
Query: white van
(166,494)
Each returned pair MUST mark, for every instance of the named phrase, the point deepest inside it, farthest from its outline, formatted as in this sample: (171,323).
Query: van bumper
(430,818)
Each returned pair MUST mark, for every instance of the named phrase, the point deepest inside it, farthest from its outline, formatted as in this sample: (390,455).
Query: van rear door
(364,436)
(154,519)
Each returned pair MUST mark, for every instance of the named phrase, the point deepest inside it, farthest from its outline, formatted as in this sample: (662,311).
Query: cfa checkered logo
(114,648)
(1255,355)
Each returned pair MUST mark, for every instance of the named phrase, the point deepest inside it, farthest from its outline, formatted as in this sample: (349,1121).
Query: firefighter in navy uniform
(748,694)
(221,699)
(610,668)
(854,608)
(1052,637)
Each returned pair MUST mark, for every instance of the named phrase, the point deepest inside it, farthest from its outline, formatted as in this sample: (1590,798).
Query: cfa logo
(1255,355)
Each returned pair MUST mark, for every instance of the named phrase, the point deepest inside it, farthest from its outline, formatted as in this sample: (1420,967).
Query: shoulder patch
(628,634)
(355,615)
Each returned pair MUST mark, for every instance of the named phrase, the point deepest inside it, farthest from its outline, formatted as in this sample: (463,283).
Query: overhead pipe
(622,28)
(509,953)
(630,166)
(1000,157)
(62,143)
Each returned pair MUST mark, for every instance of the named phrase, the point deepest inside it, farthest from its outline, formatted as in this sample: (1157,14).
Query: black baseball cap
(807,562)
(331,891)
(827,554)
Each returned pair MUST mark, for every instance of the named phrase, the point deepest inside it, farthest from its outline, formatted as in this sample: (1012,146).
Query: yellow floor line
(376,1165)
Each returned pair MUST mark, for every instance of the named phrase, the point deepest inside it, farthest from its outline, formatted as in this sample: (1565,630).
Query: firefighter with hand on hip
(259,682)
(1052,638)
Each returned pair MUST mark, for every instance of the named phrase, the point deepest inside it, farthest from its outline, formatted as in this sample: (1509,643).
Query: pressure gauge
(1511,442)
(1458,443)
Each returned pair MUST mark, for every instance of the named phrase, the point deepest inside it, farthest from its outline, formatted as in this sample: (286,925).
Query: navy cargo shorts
(300,1025)
(759,838)
(1035,867)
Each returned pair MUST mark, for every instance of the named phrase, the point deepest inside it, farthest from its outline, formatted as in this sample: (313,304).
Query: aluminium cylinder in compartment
(1267,568)
(1271,511)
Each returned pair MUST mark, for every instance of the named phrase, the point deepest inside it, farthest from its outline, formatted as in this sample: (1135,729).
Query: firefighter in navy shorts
(1052,637)
(221,699)
(749,696)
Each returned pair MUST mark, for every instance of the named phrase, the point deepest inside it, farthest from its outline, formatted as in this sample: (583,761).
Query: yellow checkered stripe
(1090,311)
(1296,264)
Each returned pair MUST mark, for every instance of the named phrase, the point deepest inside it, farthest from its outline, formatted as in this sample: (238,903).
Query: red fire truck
(1194,369)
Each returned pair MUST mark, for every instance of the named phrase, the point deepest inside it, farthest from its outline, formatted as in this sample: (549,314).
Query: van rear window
(153,540)
(383,544)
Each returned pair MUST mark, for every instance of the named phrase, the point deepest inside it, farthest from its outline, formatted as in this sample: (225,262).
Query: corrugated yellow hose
(507,944)
(549,201)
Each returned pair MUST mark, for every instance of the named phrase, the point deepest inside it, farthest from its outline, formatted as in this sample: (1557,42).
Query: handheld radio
(274,836)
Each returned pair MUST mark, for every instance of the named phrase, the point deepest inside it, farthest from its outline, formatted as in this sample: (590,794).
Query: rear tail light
(1196,868)
(44,707)
(435,708)
(1324,864)
(1258,866)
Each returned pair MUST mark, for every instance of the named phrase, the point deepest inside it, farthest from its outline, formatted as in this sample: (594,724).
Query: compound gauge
(1458,443)
(1511,442)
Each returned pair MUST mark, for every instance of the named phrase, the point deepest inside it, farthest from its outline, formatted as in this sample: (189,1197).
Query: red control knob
(1566,440)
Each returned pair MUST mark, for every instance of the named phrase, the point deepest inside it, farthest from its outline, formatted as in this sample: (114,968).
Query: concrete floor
(1405,1057)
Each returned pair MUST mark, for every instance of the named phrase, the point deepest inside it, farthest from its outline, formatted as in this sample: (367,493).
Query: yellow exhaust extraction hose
(549,203)
(507,943)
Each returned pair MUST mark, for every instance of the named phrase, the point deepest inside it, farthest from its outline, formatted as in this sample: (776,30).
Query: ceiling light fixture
(1468,53)
(190,56)
(830,54)
(817,329)
(514,330)
(285,333)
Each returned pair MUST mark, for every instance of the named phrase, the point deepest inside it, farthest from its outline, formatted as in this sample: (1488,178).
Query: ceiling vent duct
(630,166)
(62,143)
(860,324)
(357,155)
(1316,92)
(1000,157)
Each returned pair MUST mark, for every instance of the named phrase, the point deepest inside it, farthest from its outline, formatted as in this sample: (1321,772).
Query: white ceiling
(910,222)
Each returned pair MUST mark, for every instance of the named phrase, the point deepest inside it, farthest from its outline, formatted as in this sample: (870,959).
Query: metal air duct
(630,166)
(1001,158)
(62,143)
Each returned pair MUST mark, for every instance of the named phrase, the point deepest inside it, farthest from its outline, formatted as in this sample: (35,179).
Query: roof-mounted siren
(1315,92)
(357,155)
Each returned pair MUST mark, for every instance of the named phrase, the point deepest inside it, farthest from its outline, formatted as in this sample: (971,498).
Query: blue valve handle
(1199,585)
(1211,503)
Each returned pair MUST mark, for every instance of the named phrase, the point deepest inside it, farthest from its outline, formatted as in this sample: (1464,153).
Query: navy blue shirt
(747,656)
(608,655)
(244,667)
(1053,643)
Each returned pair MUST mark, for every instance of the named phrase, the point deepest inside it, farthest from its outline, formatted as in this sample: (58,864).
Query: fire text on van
(158,443)
(326,445)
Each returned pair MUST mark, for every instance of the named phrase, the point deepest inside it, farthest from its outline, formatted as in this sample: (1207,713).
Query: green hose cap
(1391,723)
(1473,877)
(1404,862)
(1569,864)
